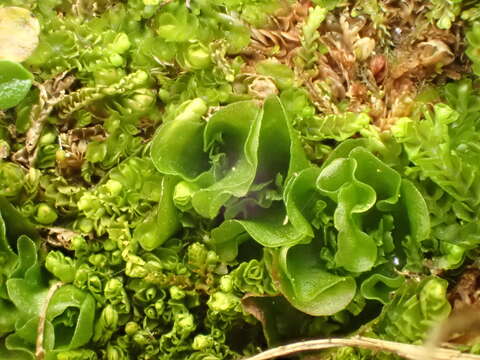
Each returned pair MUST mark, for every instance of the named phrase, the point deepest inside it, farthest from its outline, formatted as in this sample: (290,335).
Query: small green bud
(197,57)
(192,109)
(116,257)
(131,328)
(12,178)
(164,95)
(176,293)
(212,258)
(47,139)
(151,294)
(84,203)
(183,193)
(84,225)
(94,284)
(61,266)
(141,100)
(308,111)
(150,312)
(140,78)
(109,317)
(108,75)
(114,187)
(202,342)
(141,338)
(114,353)
(112,288)
(81,276)
(226,283)
(79,243)
(222,302)
(60,155)
(197,255)
(116,60)
(109,245)
(121,43)
(160,306)
(45,214)
(135,270)
(185,322)
(154,265)
(99,260)
(433,295)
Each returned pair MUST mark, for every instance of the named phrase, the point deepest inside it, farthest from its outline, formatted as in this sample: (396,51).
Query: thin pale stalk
(407,351)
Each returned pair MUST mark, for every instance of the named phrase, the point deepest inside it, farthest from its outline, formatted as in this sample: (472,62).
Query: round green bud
(154,265)
(113,287)
(116,257)
(45,214)
(114,353)
(226,283)
(47,139)
(121,43)
(202,342)
(116,59)
(433,291)
(108,75)
(99,260)
(141,100)
(176,293)
(164,95)
(151,294)
(222,302)
(109,317)
(308,111)
(79,243)
(131,328)
(82,276)
(84,225)
(85,202)
(149,11)
(183,193)
(60,155)
(135,270)
(212,258)
(197,57)
(140,78)
(109,245)
(197,254)
(150,312)
(186,322)
(94,283)
(12,179)
(192,109)
(140,338)
(61,266)
(113,187)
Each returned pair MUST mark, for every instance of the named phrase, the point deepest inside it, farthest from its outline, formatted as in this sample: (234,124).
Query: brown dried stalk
(51,93)
(39,350)
(407,351)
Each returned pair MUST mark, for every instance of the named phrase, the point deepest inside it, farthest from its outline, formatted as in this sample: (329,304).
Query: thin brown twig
(407,351)
(39,350)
